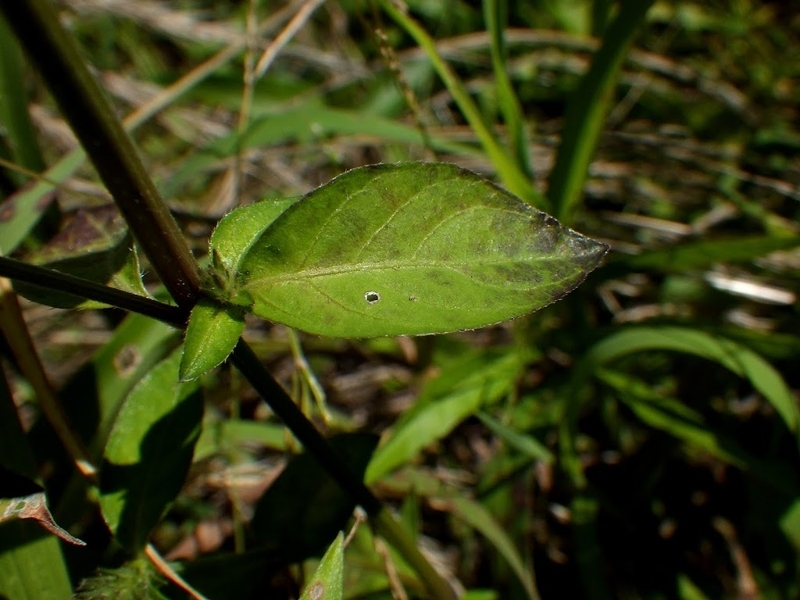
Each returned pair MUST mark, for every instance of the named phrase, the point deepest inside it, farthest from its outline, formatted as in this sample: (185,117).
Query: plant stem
(19,341)
(385,525)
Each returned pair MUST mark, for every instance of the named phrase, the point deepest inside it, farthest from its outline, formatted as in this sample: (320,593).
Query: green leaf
(587,109)
(19,131)
(210,337)
(731,355)
(149,453)
(514,178)
(31,564)
(410,249)
(305,123)
(495,13)
(304,508)
(94,395)
(328,579)
(524,444)
(21,212)
(672,416)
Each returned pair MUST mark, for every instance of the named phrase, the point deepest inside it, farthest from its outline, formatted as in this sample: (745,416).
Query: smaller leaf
(735,357)
(149,452)
(698,255)
(240,228)
(210,337)
(522,443)
(327,582)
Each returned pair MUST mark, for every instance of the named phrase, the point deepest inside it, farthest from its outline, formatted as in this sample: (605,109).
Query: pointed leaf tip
(328,580)
(211,335)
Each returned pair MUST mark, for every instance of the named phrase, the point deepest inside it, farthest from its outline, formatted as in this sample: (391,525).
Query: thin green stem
(307,375)
(385,525)
(496,18)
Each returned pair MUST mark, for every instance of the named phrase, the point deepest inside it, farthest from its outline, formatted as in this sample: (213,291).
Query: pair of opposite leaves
(384,250)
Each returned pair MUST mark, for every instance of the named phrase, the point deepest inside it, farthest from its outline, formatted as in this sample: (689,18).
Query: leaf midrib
(315,272)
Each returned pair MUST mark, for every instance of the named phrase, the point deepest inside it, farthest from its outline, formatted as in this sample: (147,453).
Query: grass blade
(477,517)
(587,110)
(14,106)
(734,357)
(496,17)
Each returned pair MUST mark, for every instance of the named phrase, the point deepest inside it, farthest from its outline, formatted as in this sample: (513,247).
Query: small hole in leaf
(372,297)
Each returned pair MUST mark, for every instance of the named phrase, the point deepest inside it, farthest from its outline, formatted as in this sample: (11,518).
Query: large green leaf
(149,453)
(410,249)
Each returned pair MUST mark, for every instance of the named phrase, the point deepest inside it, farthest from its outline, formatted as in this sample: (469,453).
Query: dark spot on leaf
(372,297)
(7,210)
(316,591)
(126,360)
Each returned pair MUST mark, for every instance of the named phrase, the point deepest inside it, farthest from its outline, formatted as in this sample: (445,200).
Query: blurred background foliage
(638,439)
